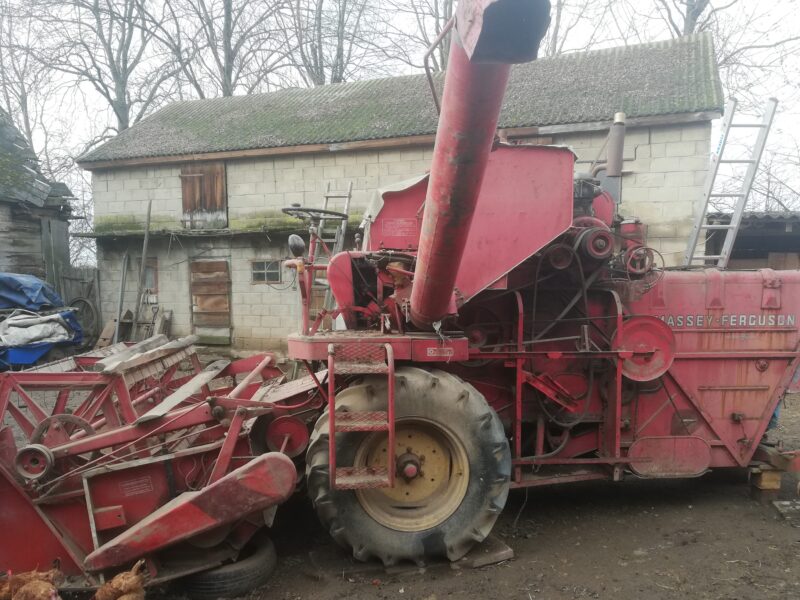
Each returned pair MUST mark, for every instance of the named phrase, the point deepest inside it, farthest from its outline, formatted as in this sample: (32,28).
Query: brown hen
(128,585)
(11,587)
(37,590)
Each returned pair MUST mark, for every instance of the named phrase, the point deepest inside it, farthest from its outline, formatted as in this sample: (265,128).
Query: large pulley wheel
(37,462)
(453,470)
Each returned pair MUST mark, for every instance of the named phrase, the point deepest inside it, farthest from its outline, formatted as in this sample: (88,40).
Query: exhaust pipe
(614,157)
(489,36)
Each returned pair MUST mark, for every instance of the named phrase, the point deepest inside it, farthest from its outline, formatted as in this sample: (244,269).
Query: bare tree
(755,43)
(222,47)
(108,45)
(414,26)
(333,41)
(577,26)
(82,250)
(25,84)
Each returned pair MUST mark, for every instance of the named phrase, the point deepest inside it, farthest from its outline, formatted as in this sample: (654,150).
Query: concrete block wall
(261,314)
(664,174)
(121,197)
(257,188)
(269,184)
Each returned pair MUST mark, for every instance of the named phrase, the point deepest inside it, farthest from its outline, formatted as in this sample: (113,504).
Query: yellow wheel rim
(428,499)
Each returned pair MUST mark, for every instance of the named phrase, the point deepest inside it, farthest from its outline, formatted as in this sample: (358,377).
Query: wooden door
(210,284)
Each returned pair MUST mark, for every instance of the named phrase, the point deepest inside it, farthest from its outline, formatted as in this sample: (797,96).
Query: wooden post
(142,270)
(122,278)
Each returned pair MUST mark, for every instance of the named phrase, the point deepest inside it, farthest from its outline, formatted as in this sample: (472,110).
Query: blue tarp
(33,294)
(25,356)
(28,292)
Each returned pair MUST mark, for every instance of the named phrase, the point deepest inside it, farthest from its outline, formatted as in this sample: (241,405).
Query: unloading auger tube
(489,36)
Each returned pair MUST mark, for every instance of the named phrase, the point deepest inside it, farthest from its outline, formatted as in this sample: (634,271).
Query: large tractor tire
(446,426)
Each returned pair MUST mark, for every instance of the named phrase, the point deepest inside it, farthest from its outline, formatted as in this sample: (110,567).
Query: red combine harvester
(501,326)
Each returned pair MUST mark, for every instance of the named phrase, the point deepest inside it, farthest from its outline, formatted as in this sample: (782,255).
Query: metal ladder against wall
(334,237)
(692,254)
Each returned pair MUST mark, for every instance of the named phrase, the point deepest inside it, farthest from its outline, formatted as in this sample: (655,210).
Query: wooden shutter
(205,195)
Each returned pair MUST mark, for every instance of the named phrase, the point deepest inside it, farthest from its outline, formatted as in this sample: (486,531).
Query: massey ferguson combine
(501,326)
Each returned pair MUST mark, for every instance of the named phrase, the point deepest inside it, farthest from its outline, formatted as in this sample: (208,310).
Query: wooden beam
(147,356)
(183,393)
(154,341)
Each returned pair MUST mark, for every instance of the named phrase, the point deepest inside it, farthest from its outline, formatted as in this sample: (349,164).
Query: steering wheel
(314,214)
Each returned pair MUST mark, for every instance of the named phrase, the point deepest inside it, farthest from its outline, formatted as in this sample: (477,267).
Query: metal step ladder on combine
(361,359)
(693,255)
(333,236)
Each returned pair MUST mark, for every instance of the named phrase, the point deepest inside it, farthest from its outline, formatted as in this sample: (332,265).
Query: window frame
(266,262)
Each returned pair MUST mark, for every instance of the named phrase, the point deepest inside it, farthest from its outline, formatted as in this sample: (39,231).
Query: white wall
(261,314)
(663,177)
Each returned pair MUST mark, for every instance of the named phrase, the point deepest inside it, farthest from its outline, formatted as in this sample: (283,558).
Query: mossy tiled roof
(20,180)
(661,78)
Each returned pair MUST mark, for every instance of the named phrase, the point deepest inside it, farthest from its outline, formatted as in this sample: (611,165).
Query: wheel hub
(408,466)
(34,461)
(433,474)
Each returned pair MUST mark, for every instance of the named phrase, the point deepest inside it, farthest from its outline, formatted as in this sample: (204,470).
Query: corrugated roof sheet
(756,216)
(661,78)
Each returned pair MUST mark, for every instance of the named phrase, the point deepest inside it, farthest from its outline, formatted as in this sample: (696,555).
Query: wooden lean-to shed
(34,212)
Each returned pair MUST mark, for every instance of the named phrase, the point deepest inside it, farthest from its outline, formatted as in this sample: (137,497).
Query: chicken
(128,585)
(37,589)
(9,589)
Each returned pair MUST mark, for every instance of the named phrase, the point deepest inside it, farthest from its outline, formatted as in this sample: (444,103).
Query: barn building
(217,172)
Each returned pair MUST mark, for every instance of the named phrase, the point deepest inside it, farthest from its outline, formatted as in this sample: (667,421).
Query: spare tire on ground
(253,569)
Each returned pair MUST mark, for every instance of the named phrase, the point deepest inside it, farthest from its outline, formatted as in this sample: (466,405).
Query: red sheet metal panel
(736,349)
(522,186)
(504,233)
(670,457)
(29,540)
(261,483)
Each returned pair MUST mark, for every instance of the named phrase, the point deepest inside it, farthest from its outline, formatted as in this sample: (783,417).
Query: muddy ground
(701,538)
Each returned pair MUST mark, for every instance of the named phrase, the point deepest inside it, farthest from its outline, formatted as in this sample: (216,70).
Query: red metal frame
(103,485)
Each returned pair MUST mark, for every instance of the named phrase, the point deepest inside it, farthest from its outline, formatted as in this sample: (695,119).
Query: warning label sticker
(135,487)
(399,227)
(440,352)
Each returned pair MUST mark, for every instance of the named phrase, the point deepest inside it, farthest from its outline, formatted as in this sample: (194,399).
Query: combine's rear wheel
(453,464)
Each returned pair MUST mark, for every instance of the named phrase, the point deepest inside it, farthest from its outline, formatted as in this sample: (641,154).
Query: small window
(266,271)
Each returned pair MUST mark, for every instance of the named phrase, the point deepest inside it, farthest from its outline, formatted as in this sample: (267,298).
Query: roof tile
(661,78)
